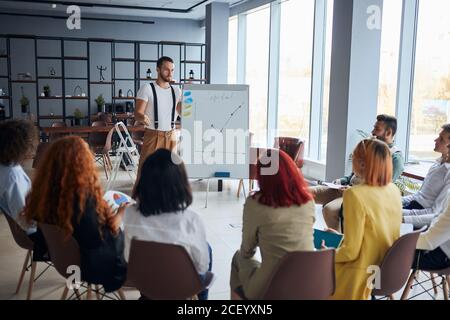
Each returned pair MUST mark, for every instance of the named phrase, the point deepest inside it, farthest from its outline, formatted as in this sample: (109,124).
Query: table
(417,171)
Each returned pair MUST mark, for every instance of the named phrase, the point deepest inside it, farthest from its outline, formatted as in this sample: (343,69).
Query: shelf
(193,80)
(123,79)
(5,56)
(193,61)
(77,98)
(4,77)
(149,79)
(124,59)
(50,98)
(76,79)
(75,58)
(50,77)
(23,81)
(124,98)
(145,60)
(5,97)
(48,58)
(101,82)
(50,117)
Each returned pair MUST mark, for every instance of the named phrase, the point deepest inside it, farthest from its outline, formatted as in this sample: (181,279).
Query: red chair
(294,147)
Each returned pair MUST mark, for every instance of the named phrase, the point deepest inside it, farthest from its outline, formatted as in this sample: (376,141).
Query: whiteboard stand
(219,178)
(126,146)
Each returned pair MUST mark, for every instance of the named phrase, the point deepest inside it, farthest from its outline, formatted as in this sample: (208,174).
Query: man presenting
(157,106)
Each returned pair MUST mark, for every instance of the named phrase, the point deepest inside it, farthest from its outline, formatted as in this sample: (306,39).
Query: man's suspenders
(155,106)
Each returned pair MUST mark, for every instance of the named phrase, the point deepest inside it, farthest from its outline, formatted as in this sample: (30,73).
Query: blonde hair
(372,160)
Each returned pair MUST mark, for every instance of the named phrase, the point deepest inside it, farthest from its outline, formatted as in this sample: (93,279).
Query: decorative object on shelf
(2,93)
(52,71)
(120,93)
(191,75)
(129,93)
(24,102)
(77,115)
(129,106)
(100,101)
(149,73)
(47,90)
(101,69)
(2,112)
(75,91)
(24,76)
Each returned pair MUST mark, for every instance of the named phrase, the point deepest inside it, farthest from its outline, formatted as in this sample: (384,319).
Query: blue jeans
(204,294)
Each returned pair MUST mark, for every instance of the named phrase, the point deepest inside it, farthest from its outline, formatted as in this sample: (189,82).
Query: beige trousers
(331,199)
(154,140)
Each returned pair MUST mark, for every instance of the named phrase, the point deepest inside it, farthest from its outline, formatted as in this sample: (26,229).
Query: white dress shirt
(438,235)
(14,186)
(431,196)
(182,228)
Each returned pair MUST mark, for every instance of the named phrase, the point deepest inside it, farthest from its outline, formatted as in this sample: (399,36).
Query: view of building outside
(431,96)
(295,69)
(326,83)
(232,49)
(389,56)
(257,69)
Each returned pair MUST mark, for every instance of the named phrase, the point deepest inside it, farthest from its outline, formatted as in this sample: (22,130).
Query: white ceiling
(198,13)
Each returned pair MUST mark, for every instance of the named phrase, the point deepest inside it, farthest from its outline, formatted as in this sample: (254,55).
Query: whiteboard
(214,130)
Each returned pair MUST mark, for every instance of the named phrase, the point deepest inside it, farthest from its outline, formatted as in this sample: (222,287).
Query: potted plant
(47,90)
(77,115)
(100,101)
(24,102)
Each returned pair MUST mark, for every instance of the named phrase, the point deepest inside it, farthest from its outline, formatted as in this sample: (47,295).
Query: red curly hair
(282,185)
(65,179)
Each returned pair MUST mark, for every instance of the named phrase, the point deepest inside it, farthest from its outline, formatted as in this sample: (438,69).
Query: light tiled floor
(222,218)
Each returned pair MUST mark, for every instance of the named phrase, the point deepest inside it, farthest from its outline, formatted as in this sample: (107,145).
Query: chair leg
(24,269)
(241,183)
(97,292)
(105,166)
(405,293)
(65,292)
(31,283)
(77,293)
(89,292)
(433,281)
(121,294)
(445,287)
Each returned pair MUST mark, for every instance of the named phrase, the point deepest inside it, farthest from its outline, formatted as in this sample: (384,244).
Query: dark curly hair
(18,139)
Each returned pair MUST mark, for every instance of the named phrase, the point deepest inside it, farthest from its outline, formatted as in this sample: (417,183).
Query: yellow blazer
(372,219)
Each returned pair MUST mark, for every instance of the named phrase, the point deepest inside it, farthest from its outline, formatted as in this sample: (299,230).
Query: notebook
(116,198)
(332,240)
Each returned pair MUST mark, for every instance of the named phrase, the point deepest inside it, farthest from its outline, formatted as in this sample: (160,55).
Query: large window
(296,46)
(431,97)
(256,73)
(390,47)
(326,83)
(232,49)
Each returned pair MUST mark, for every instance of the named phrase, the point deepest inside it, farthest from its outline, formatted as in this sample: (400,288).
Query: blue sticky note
(187,93)
(188,100)
(221,174)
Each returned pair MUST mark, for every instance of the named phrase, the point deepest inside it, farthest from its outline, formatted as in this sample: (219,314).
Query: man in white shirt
(433,246)
(157,106)
(420,208)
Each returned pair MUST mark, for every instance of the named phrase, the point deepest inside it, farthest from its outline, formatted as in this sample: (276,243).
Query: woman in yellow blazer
(372,219)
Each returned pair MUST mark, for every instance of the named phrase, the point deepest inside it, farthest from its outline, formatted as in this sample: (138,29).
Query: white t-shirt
(182,228)
(165,105)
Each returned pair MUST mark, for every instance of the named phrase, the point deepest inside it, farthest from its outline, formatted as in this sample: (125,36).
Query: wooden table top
(417,171)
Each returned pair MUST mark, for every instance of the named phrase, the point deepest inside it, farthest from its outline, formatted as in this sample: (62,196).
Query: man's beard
(166,79)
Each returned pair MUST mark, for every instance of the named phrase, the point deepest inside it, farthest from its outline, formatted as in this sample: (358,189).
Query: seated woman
(278,219)
(18,140)
(67,193)
(373,214)
(421,208)
(162,214)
